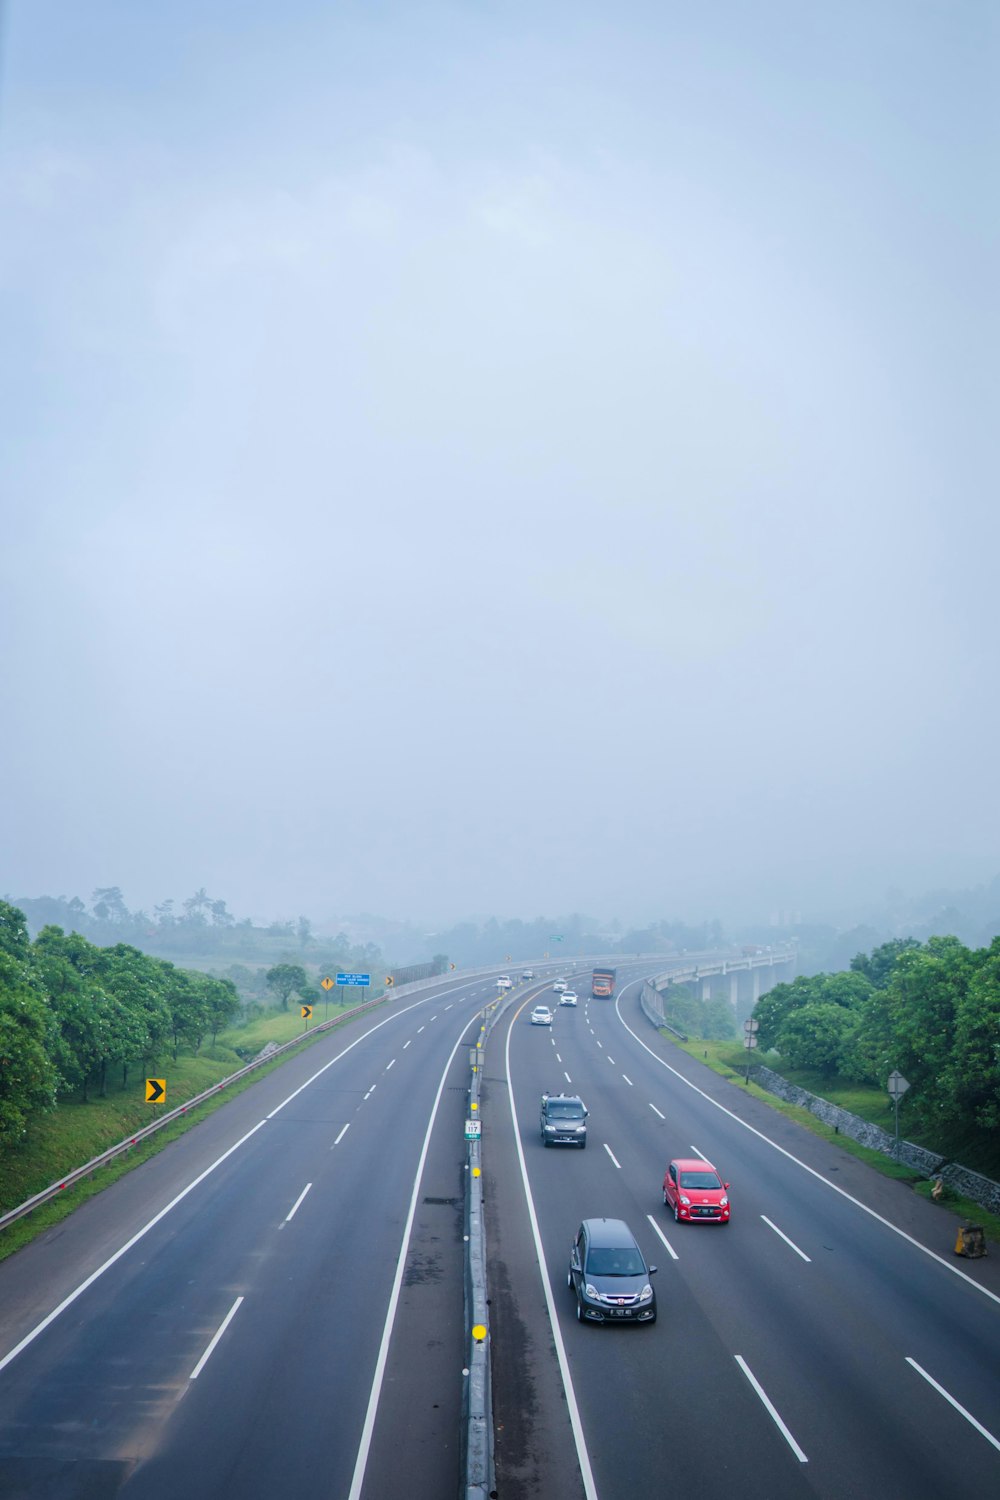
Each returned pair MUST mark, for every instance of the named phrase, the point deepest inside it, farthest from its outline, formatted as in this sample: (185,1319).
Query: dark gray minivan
(609,1275)
(563,1120)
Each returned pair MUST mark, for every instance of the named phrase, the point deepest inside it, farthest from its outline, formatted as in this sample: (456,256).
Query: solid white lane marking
(295,1206)
(369,1427)
(667,1245)
(342,1134)
(390,1065)
(784,1236)
(406,1044)
(771,1409)
(573,1410)
(612,1155)
(657,1111)
(567,1077)
(842,1192)
(628,1080)
(218,1334)
(957,1405)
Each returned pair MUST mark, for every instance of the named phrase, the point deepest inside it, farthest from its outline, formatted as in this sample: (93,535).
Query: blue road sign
(354,979)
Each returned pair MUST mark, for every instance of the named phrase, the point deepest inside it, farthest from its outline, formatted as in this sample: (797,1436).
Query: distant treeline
(72,1012)
(930,1009)
(201,928)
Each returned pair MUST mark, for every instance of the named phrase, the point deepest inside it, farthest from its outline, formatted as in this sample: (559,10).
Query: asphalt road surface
(272,1306)
(811,1347)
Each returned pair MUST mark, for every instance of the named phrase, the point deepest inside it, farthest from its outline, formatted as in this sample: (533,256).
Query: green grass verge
(75,1133)
(729,1060)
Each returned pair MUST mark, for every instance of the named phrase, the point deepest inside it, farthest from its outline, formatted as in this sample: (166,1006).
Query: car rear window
(700,1180)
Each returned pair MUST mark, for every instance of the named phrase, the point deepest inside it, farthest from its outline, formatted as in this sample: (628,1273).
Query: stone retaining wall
(981,1190)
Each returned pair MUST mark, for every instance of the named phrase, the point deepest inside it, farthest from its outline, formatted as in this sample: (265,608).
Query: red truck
(602,984)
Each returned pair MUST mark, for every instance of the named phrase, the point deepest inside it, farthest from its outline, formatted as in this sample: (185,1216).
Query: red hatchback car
(696,1192)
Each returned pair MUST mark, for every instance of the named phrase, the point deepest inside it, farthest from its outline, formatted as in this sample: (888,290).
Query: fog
(462,458)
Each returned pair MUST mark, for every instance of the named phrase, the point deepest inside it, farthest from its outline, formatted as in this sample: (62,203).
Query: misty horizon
(522,461)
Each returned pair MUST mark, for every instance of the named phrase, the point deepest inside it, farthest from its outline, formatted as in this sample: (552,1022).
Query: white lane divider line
(342,1134)
(567,1077)
(219,1332)
(628,1080)
(666,1243)
(295,1206)
(611,1061)
(448,1007)
(657,1111)
(612,1155)
(433,1018)
(699,1154)
(771,1409)
(406,1044)
(780,1233)
(390,1065)
(558,1058)
(983,1432)
(370,1091)
(600,1044)
(419,1030)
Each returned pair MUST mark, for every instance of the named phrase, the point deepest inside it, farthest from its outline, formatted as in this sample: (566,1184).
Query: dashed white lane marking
(657,1111)
(390,1065)
(370,1091)
(406,1044)
(628,1080)
(781,1235)
(419,1030)
(295,1206)
(567,1077)
(611,1061)
(952,1402)
(601,1045)
(612,1155)
(558,1058)
(342,1134)
(699,1154)
(667,1245)
(448,1007)
(771,1409)
(219,1332)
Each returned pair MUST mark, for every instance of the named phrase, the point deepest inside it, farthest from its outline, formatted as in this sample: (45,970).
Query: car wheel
(665,1203)
(569,1279)
(677,1214)
(545,1140)
(583,1145)
(579,1311)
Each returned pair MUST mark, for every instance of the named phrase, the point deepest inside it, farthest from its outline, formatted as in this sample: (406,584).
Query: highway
(809,1348)
(272,1306)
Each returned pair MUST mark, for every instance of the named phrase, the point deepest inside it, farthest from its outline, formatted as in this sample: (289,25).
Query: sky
(499,457)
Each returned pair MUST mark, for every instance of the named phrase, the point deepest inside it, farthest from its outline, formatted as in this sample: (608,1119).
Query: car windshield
(700,1180)
(606,1262)
(565,1112)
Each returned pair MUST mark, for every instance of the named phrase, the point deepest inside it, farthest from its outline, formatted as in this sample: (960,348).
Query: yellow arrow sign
(307,1011)
(451,966)
(327,983)
(389,981)
(156,1090)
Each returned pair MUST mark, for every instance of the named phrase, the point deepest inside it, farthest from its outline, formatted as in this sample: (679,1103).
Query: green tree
(926,991)
(222,1003)
(879,965)
(815,1036)
(286,979)
(28,1076)
(972,1078)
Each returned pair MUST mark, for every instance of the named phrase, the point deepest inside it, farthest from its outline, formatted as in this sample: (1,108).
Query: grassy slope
(729,1059)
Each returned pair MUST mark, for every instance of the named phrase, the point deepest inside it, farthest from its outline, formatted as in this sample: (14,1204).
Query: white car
(541,1016)
(527,973)
(568,997)
(559,986)
(504,982)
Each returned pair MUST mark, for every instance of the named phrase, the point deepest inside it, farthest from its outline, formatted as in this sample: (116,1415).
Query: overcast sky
(499,457)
